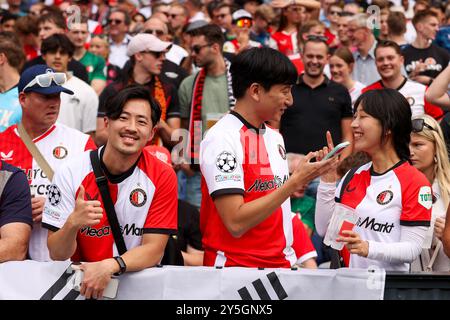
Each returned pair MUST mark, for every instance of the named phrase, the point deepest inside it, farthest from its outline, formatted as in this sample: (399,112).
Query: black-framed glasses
(419,124)
(155,32)
(313,37)
(115,21)
(197,48)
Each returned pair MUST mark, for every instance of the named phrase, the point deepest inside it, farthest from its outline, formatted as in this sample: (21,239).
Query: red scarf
(158,94)
(195,127)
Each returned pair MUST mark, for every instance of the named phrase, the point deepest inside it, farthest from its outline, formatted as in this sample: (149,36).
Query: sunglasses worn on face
(156,54)
(45,80)
(155,32)
(114,21)
(196,49)
(419,124)
(317,38)
(244,23)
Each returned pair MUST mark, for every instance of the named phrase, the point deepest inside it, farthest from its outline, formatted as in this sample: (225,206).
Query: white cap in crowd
(146,42)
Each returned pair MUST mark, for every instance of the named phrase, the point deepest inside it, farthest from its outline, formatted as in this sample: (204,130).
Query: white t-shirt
(79,111)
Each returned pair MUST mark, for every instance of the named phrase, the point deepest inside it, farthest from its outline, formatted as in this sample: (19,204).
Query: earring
(435,159)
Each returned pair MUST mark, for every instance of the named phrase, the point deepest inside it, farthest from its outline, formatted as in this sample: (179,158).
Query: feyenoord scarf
(195,127)
(161,98)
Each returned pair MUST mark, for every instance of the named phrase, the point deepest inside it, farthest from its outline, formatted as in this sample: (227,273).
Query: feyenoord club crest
(282,151)
(410,100)
(60,152)
(385,197)
(138,197)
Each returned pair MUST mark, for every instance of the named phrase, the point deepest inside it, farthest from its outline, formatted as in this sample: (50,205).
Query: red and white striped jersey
(236,158)
(144,198)
(57,145)
(399,197)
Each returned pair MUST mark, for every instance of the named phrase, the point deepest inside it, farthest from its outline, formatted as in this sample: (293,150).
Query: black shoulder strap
(336,260)
(102,183)
(346,181)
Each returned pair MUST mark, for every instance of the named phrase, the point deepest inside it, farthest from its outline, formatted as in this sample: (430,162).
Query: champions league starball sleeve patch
(226,162)
(425,197)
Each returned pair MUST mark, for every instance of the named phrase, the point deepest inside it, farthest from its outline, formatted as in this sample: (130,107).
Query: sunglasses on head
(114,21)
(155,32)
(419,124)
(45,80)
(244,23)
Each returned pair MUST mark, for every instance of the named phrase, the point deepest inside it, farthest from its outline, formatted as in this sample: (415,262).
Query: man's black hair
(117,102)
(57,42)
(394,113)
(212,33)
(265,66)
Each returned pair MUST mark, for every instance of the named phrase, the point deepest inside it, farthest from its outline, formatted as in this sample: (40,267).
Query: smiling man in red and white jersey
(245,215)
(143,191)
(56,142)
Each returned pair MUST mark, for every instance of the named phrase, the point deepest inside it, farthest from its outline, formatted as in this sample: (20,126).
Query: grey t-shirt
(215,97)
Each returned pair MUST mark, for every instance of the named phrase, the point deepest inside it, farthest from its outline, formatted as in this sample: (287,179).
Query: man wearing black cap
(39,95)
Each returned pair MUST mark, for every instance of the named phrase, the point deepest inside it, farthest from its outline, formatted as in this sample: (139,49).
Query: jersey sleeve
(15,200)
(302,244)
(90,145)
(221,165)
(60,201)
(162,216)
(417,200)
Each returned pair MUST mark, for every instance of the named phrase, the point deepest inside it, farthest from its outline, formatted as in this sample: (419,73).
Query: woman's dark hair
(116,103)
(58,42)
(394,113)
(265,66)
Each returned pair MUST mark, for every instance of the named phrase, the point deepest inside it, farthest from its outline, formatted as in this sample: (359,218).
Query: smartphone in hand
(337,150)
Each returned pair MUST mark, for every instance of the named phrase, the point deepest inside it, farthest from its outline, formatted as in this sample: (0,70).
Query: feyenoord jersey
(144,198)
(57,145)
(384,202)
(414,93)
(303,247)
(238,159)
(287,43)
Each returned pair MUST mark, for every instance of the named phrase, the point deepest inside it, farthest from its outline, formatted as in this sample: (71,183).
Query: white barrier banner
(51,281)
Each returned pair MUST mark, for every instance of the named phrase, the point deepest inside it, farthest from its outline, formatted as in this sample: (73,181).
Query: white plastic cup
(343,218)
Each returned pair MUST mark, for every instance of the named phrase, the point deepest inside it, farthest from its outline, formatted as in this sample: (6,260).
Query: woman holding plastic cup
(429,155)
(391,199)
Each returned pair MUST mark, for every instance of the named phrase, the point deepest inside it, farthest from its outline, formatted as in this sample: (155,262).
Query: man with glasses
(361,37)
(118,25)
(221,16)
(39,95)
(242,23)
(389,62)
(177,20)
(147,54)
(159,29)
(204,98)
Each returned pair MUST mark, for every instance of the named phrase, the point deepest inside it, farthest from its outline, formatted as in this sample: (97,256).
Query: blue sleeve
(15,200)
